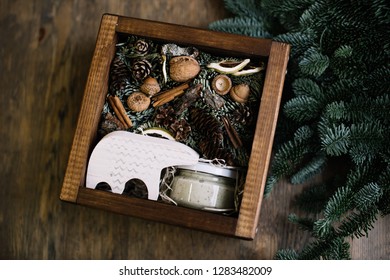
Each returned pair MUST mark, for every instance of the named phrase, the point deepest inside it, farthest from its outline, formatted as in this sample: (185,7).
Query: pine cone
(180,129)
(165,116)
(141,47)
(119,75)
(140,69)
(212,136)
(211,151)
(109,124)
(243,115)
(207,125)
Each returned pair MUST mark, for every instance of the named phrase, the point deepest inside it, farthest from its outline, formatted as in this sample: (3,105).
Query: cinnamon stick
(171,92)
(120,111)
(167,98)
(232,133)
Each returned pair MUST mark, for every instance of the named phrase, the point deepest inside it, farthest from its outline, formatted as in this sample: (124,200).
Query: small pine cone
(210,151)
(141,47)
(109,124)
(207,125)
(119,75)
(165,116)
(243,115)
(140,69)
(180,129)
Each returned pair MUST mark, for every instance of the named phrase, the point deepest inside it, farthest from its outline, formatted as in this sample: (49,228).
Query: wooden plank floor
(45,51)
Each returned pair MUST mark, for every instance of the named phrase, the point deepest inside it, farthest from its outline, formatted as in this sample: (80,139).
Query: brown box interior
(243,226)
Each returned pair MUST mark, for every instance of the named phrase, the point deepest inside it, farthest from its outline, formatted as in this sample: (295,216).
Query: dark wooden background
(45,51)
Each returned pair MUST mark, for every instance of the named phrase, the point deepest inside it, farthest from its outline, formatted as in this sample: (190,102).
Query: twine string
(166,184)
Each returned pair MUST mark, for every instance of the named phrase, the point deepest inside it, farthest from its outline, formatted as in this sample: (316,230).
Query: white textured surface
(121,156)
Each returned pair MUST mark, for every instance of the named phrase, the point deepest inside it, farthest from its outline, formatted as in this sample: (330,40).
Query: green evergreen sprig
(336,110)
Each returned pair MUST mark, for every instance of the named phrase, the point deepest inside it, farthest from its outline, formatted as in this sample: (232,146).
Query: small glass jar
(204,186)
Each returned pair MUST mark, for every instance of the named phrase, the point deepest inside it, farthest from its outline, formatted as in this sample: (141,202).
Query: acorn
(183,68)
(240,93)
(221,84)
(150,86)
(138,101)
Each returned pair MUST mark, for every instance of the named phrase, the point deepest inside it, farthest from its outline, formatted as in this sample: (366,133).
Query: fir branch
(303,223)
(358,109)
(302,108)
(377,78)
(286,255)
(287,157)
(270,183)
(315,250)
(244,8)
(336,140)
(312,168)
(300,41)
(303,134)
(367,141)
(338,204)
(368,196)
(359,176)
(339,250)
(313,62)
(340,106)
(332,248)
(358,224)
(340,90)
(336,111)
(288,12)
(307,87)
(241,25)
(381,107)
(308,17)
(323,228)
(344,51)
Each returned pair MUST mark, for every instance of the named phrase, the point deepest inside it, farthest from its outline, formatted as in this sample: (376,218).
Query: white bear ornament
(122,155)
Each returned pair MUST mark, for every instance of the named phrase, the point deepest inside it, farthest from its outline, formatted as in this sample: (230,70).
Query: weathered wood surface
(45,51)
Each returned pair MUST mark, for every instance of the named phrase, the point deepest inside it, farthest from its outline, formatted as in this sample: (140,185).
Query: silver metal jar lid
(229,172)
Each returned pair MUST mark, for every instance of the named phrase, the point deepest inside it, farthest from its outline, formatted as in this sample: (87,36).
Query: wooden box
(244,225)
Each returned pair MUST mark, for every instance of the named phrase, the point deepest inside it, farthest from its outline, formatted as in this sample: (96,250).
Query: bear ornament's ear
(122,156)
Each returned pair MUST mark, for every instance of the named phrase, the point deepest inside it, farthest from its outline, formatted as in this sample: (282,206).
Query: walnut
(183,68)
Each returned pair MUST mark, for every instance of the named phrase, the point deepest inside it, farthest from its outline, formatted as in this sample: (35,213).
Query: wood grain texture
(195,37)
(46,49)
(94,97)
(160,212)
(263,139)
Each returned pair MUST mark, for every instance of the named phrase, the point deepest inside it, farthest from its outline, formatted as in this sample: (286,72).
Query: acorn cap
(221,84)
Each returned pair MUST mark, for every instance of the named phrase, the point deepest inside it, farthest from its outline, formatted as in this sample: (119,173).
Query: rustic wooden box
(242,226)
